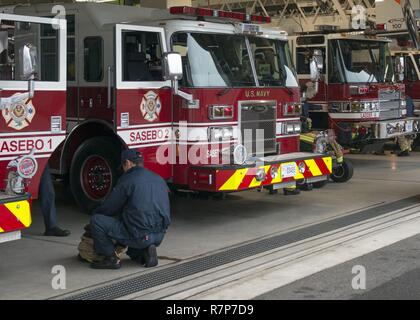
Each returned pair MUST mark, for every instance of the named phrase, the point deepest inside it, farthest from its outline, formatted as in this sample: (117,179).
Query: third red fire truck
(209,97)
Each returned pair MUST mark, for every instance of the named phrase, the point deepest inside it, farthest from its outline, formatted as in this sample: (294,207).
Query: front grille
(389,104)
(258,127)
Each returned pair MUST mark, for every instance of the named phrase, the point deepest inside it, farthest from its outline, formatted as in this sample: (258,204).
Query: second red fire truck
(209,97)
(358,95)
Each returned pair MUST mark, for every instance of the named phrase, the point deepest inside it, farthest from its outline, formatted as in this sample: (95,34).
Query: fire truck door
(31,121)
(143,116)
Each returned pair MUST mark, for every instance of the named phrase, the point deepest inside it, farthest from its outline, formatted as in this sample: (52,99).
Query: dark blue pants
(409,106)
(47,199)
(105,230)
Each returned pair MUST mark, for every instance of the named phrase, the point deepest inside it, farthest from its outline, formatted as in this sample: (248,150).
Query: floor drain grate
(130,286)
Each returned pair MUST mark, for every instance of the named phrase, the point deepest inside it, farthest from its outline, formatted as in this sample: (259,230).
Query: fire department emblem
(19,115)
(150,106)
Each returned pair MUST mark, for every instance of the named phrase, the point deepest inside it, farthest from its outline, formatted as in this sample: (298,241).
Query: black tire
(342,173)
(320,184)
(88,194)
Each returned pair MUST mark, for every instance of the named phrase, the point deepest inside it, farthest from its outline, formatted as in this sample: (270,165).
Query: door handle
(109,86)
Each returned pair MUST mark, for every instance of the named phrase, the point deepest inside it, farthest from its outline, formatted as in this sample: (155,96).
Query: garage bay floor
(202,226)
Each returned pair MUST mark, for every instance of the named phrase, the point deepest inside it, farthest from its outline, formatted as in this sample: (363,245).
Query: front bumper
(15,215)
(279,171)
(386,129)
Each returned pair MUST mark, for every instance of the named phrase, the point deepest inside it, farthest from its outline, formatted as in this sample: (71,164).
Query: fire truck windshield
(223,60)
(273,63)
(355,61)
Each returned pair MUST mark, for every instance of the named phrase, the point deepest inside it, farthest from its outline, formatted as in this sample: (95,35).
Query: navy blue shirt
(141,198)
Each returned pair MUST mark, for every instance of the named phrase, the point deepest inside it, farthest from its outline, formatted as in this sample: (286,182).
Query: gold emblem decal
(19,115)
(150,106)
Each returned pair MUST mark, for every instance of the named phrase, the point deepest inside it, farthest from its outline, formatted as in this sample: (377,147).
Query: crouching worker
(136,214)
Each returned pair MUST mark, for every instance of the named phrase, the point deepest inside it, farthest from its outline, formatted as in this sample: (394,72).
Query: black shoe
(140,260)
(107,263)
(404,153)
(291,192)
(57,232)
(151,259)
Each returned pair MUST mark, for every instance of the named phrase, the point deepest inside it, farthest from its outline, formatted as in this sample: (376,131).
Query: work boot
(150,256)
(291,192)
(404,153)
(107,263)
(56,232)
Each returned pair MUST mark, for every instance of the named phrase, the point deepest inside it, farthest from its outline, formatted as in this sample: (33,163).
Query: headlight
(292,109)
(364,106)
(375,106)
(220,133)
(403,103)
(356,107)
(292,127)
(220,112)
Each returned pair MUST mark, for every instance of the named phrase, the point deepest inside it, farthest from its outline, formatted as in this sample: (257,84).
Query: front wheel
(342,172)
(93,171)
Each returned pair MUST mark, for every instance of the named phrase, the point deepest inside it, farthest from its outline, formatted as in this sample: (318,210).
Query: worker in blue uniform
(136,214)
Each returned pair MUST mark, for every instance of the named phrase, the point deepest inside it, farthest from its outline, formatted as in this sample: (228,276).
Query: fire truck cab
(358,95)
(411,74)
(228,121)
(32,107)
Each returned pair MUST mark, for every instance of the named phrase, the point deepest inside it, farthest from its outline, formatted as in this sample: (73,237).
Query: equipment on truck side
(325,142)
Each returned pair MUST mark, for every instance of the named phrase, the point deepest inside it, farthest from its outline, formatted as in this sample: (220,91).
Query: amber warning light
(203,12)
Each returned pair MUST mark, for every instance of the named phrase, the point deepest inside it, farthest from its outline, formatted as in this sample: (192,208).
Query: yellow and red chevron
(15,215)
(244,178)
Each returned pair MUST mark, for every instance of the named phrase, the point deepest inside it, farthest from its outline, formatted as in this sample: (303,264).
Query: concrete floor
(392,273)
(201,226)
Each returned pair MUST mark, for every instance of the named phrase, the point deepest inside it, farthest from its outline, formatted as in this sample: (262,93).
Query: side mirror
(172,64)
(400,67)
(172,70)
(29,61)
(316,65)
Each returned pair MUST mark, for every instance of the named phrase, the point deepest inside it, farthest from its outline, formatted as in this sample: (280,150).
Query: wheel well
(82,133)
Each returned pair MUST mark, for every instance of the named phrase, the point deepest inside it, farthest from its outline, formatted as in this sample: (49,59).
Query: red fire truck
(358,95)
(32,107)
(209,97)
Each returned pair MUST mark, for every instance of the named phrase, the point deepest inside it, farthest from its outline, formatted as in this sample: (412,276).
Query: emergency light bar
(204,12)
